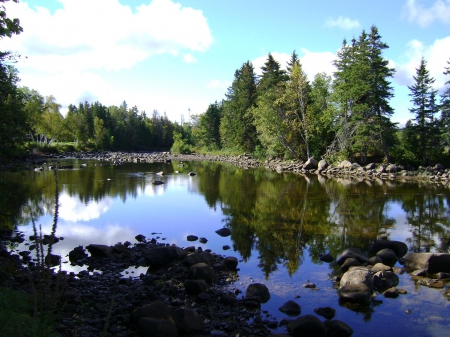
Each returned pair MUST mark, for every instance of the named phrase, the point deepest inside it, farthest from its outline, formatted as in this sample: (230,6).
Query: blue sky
(173,56)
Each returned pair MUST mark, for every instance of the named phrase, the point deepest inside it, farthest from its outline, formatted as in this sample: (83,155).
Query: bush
(180,145)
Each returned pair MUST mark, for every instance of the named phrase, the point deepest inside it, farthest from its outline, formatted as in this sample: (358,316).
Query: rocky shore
(436,174)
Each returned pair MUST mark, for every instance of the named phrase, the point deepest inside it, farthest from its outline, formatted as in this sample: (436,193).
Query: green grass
(16,318)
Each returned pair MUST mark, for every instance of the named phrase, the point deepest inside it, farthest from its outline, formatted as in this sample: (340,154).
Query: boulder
(355,293)
(380,267)
(326,312)
(307,326)
(195,286)
(351,252)
(156,309)
(350,262)
(400,248)
(156,327)
(202,271)
(338,328)
(357,275)
(388,257)
(192,238)
(99,250)
(345,164)
(291,308)
(230,263)
(383,280)
(77,254)
(224,232)
(311,164)
(258,290)
(203,257)
(162,255)
(187,320)
(431,262)
(322,165)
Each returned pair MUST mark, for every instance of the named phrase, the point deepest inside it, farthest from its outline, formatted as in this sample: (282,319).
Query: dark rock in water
(391,293)
(384,280)
(258,289)
(192,174)
(350,262)
(202,271)
(226,247)
(187,320)
(157,182)
(290,308)
(326,258)
(99,250)
(155,327)
(77,254)
(195,286)
(388,256)
(162,255)
(431,262)
(326,312)
(374,260)
(203,257)
(140,238)
(119,249)
(400,248)
(230,263)
(224,232)
(307,326)
(419,272)
(338,328)
(309,285)
(355,293)
(156,309)
(351,252)
(192,238)
(203,240)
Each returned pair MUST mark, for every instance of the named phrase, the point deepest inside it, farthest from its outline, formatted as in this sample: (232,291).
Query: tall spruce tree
(237,129)
(445,110)
(423,98)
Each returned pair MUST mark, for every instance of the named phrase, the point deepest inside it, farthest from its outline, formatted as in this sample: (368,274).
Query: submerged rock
(291,308)
(307,326)
(258,289)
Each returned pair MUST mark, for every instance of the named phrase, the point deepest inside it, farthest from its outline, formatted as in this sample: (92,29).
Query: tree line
(348,116)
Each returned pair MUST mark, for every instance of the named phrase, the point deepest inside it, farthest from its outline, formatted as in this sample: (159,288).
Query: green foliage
(180,145)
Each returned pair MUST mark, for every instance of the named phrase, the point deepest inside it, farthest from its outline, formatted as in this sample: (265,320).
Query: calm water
(280,223)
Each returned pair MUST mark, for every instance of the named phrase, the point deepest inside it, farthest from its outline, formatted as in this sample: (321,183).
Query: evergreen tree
(209,125)
(293,60)
(423,98)
(237,129)
(445,110)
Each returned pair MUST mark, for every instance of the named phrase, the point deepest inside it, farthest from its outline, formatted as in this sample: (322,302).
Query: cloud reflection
(72,209)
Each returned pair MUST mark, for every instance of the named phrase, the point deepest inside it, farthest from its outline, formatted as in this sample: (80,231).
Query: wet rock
(258,289)
(326,312)
(380,267)
(154,327)
(357,275)
(226,247)
(187,320)
(419,272)
(99,250)
(400,248)
(441,276)
(311,164)
(203,257)
(322,165)
(202,271)
(192,238)
(230,263)
(77,254)
(290,308)
(351,253)
(309,285)
(336,328)
(355,293)
(374,260)
(162,255)
(307,326)
(385,279)
(431,283)
(388,256)
(195,286)
(391,293)
(203,240)
(431,262)
(326,258)
(350,262)
(224,232)
(156,309)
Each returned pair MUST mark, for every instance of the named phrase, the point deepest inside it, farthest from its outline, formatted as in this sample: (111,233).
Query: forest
(277,114)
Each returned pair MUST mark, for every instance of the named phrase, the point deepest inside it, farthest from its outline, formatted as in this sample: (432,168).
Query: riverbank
(435,174)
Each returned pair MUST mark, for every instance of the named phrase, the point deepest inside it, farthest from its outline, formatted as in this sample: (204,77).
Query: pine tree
(423,97)
(445,110)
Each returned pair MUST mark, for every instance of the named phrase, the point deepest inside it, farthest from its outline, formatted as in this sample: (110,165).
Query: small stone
(309,285)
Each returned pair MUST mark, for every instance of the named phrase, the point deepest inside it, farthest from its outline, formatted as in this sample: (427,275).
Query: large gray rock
(400,248)
(388,257)
(345,164)
(431,262)
(187,320)
(357,275)
(351,252)
(258,290)
(162,255)
(355,293)
(202,271)
(311,164)
(322,165)
(291,308)
(307,326)
(383,280)
(156,327)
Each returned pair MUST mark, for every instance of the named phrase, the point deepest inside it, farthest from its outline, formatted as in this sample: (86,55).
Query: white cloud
(342,22)
(312,62)
(189,58)
(436,56)
(72,209)
(217,84)
(415,12)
